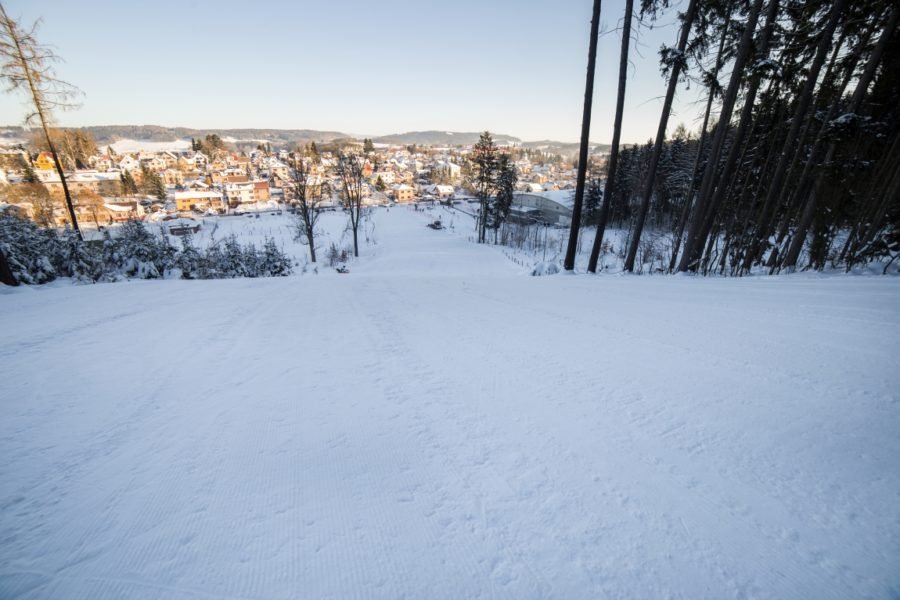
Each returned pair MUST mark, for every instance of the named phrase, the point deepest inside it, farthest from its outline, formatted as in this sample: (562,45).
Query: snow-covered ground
(128,145)
(438,424)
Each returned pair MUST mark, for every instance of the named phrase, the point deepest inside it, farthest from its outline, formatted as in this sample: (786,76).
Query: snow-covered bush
(337,256)
(29,249)
(273,261)
(137,254)
(545,268)
(37,255)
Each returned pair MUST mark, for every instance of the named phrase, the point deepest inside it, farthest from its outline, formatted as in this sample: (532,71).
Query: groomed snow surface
(438,424)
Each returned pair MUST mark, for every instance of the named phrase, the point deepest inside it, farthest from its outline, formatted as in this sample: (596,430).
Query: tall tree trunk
(569,262)
(693,245)
(661,134)
(812,154)
(613,164)
(689,201)
(737,145)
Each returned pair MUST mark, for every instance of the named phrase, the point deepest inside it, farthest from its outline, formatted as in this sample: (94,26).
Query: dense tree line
(797,162)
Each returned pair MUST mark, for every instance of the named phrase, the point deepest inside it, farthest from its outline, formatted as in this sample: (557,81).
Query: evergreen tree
(189,260)
(28,249)
(274,262)
(30,176)
(75,260)
(504,187)
(128,184)
(485,175)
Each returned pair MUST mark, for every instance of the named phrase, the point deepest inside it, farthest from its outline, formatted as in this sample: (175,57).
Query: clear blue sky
(360,67)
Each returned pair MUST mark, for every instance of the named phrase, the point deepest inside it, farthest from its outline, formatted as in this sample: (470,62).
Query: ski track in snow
(439,425)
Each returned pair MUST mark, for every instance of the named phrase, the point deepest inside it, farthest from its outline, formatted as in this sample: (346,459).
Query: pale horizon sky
(361,68)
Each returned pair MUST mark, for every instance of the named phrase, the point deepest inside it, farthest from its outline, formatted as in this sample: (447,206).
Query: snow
(439,424)
(127,145)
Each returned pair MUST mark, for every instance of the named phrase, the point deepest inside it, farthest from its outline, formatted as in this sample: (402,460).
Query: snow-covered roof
(563,197)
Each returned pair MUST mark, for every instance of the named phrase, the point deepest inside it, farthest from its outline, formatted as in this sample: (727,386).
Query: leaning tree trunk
(737,145)
(809,209)
(701,144)
(800,115)
(677,65)
(36,96)
(693,245)
(812,153)
(613,164)
(569,262)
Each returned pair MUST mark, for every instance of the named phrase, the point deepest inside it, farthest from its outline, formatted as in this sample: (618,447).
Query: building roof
(564,198)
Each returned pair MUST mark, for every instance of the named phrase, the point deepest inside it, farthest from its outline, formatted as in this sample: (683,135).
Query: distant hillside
(565,148)
(105,134)
(148,137)
(441,138)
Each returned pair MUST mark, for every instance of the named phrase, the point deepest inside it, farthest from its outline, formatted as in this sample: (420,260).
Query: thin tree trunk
(661,135)
(613,164)
(569,262)
(312,245)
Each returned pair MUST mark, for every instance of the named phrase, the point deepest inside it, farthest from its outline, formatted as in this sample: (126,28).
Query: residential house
(404,193)
(170,159)
(129,163)
(124,209)
(101,162)
(200,200)
(387,177)
(173,177)
(104,184)
(44,162)
(239,193)
(261,190)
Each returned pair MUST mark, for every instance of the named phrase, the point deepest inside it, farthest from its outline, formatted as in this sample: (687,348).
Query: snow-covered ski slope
(438,424)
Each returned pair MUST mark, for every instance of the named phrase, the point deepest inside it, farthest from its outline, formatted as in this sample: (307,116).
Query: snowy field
(438,424)
(127,145)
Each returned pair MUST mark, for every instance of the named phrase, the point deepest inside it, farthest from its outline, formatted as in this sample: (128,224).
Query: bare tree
(43,206)
(349,168)
(305,189)
(28,65)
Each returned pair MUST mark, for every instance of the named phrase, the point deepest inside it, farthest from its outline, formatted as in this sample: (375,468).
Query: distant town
(212,176)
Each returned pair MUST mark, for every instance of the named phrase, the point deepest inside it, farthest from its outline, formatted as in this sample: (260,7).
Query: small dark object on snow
(436,225)
(342,269)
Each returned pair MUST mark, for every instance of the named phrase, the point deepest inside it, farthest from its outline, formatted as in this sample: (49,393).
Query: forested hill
(155,133)
(108,134)
(442,138)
